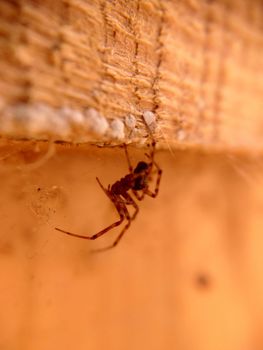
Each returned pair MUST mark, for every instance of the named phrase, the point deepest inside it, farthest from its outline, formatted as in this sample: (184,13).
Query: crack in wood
(23,38)
(220,79)
(135,57)
(205,70)
(104,61)
(159,48)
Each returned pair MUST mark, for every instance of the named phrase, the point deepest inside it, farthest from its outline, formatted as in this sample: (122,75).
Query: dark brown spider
(137,181)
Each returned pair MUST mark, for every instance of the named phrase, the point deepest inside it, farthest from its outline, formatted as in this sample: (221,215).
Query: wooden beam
(196,64)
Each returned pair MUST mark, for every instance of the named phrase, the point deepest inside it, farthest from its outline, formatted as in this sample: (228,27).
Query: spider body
(136,183)
(122,186)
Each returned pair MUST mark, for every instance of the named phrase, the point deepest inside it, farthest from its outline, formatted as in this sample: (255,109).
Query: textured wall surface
(196,64)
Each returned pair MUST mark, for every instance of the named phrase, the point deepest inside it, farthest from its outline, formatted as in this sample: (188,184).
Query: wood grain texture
(196,64)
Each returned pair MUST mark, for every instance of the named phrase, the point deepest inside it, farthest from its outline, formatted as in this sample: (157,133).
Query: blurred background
(187,274)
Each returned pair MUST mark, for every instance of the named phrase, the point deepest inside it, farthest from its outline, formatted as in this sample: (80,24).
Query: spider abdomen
(123,185)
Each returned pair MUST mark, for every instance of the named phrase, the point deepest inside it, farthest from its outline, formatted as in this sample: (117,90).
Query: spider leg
(138,196)
(117,240)
(151,156)
(130,200)
(128,158)
(96,235)
(120,208)
(158,180)
(103,188)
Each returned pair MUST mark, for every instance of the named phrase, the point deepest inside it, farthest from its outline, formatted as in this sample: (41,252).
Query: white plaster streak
(117,129)
(95,122)
(41,121)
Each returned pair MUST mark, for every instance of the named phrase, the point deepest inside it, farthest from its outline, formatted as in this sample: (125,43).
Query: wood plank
(196,64)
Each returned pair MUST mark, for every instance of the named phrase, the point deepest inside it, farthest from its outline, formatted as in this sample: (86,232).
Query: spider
(137,182)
